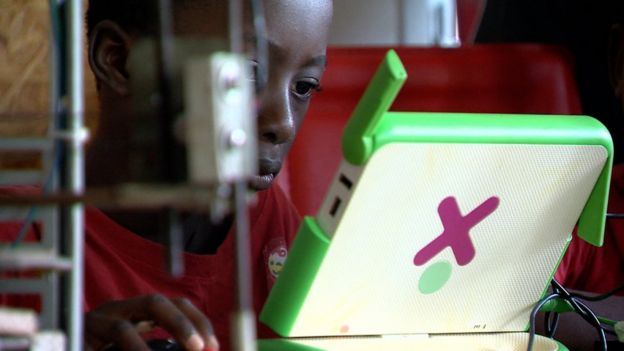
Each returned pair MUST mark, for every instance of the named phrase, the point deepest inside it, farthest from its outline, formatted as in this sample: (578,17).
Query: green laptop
(439,231)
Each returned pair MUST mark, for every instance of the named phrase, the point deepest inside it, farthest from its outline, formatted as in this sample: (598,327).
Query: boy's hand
(120,323)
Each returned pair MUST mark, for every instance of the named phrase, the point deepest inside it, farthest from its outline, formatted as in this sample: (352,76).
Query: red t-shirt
(120,264)
(598,269)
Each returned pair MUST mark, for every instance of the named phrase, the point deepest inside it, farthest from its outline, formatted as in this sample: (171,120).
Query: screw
(237,138)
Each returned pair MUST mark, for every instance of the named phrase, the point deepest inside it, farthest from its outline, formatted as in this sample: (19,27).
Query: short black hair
(135,16)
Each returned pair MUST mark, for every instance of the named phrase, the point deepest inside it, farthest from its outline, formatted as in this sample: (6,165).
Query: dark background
(583,27)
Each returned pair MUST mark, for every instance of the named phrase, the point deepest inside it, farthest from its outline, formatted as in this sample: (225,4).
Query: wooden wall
(24,45)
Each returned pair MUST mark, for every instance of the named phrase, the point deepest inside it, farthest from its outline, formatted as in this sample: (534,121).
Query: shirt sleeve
(598,269)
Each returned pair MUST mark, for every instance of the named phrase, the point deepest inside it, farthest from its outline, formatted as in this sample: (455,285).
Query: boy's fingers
(102,330)
(200,321)
(179,317)
(170,317)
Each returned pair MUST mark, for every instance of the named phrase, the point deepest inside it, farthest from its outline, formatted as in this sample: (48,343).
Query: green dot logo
(434,277)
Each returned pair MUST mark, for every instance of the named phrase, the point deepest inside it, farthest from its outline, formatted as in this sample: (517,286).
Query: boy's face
(297,33)
(297,39)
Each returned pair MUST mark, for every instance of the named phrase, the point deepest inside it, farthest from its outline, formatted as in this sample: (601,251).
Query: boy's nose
(277,132)
(276,123)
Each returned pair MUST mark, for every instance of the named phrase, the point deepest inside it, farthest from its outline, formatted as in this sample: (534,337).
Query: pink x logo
(456,234)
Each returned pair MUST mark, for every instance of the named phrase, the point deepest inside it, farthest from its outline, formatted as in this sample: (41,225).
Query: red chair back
(505,78)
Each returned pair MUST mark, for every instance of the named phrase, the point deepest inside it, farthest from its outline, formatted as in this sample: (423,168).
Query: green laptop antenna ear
(591,224)
(357,139)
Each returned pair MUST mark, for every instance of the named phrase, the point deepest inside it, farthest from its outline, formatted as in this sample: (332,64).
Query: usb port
(345,181)
(335,206)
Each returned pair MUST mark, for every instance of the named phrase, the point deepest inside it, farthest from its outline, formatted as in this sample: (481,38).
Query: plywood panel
(24,47)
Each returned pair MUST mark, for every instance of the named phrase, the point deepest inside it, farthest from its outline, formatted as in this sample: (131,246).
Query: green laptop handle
(291,289)
(357,143)
(372,126)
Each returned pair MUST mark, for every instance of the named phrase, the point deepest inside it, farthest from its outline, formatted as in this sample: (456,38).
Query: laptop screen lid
(449,223)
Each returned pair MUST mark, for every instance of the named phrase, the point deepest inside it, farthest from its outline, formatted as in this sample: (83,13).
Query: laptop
(439,231)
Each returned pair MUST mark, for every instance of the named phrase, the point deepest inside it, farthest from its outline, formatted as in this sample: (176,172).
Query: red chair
(506,78)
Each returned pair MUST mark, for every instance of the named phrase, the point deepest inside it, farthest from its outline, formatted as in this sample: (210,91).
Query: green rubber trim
(379,95)
(291,288)
(562,347)
(283,345)
(286,345)
(414,127)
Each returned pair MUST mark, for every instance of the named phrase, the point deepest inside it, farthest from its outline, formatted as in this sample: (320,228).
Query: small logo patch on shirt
(275,254)
(276,261)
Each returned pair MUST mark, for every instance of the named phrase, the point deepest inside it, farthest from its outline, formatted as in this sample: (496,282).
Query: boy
(126,287)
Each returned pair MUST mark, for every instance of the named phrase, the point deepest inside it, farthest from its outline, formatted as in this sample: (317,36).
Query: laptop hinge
(405,336)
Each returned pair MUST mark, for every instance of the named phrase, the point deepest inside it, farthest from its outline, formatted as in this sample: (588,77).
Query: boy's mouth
(261,182)
(268,170)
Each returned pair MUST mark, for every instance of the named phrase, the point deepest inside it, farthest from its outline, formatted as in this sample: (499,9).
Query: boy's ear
(616,59)
(109,45)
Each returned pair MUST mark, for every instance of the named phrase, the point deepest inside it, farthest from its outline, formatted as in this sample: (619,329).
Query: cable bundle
(561,300)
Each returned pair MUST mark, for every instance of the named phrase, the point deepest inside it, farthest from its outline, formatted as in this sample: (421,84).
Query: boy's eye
(304,88)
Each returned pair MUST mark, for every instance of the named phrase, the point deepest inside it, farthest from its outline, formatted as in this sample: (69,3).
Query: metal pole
(165,56)
(236,26)
(75,171)
(165,49)
(244,318)
(244,321)
(50,238)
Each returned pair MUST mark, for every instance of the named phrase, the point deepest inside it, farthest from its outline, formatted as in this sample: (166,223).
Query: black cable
(583,310)
(551,322)
(547,322)
(576,302)
(599,297)
(615,215)
(592,319)
(534,312)
(578,306)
